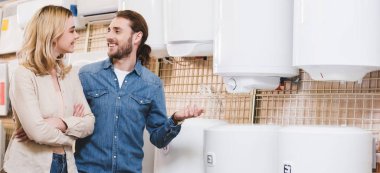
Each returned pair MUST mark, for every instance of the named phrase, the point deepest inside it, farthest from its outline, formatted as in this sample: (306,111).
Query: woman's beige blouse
(34,98)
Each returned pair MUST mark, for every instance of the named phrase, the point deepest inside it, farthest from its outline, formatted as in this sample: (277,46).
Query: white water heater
(253,43)
(189,27)
(1,19)
(27,9)
(185,153)
(148,148)
(241,149)
(77,60)
(4,86)
(11,35)
(325,149)
(2,143)
(337,40)
(152,11)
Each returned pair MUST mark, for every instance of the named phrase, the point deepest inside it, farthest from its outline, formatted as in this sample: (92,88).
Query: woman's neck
(53,72)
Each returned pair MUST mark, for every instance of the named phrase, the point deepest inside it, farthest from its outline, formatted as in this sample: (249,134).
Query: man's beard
(122,52)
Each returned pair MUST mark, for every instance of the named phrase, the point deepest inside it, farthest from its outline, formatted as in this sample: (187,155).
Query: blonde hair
(46,26)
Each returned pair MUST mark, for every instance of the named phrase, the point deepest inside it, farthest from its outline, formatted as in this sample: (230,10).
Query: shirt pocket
(142,106)
(96,93)
(97,99)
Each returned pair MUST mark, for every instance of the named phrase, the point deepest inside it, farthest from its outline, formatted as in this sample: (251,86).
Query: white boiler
(325,150)
(241,149)
(185,153)
(27,9)
(78,60)
(4,89)
(189,27)
(337,39)
(253,43)
(152,11)
(11,35)
(148,148)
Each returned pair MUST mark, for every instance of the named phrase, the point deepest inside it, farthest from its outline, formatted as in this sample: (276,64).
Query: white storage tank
(1,19)
(337,40)
(241,149)
(27,9)
(2,143)
(185,153)
(253,43)
(152,11)
(78,60)
(189,27)
(148,148)
(4,89)
(11,35)
(325,150)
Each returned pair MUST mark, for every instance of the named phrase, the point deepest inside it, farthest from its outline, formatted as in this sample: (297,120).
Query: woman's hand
(21,135)
(57,123)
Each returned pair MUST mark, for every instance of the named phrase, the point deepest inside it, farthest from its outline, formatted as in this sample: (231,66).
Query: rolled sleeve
(162,129)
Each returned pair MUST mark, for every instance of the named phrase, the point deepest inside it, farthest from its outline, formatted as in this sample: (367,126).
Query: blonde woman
(47,99)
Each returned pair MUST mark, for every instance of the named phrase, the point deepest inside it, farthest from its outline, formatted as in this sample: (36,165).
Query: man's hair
(45,27)
(138,24)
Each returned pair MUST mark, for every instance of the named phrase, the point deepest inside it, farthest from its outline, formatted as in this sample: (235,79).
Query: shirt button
(125,81)
(115,137)
(115,79)
(118,98)
(117,117)
(141,101)
(114,157)
(96,94)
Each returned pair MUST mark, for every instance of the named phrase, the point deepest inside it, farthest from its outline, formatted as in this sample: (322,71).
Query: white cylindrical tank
(325,149)
(11,35)
(241,149)
(27,9)
(152,11)
(189,27)
(1,17)
(337,40)
(253,43)
(185,153)
(148,148)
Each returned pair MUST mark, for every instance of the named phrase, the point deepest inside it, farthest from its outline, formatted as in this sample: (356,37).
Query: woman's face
(65,43)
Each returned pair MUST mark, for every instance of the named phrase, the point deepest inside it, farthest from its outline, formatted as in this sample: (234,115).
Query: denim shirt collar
(138,66)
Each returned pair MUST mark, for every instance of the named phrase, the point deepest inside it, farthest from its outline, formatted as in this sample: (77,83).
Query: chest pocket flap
(140,100)
(96,93)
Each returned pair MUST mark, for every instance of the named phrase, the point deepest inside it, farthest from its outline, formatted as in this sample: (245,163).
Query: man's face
(119,38)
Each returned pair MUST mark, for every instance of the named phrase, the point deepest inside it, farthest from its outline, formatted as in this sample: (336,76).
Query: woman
(47,98)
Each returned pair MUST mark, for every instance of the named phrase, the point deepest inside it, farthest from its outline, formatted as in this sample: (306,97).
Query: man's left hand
(188,112)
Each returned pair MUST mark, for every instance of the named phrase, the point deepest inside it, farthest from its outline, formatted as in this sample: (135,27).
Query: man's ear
(137,37)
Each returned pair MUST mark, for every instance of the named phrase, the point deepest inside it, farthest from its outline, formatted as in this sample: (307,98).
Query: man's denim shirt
(121,116)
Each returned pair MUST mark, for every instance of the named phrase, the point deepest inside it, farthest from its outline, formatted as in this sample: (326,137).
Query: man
(125,97)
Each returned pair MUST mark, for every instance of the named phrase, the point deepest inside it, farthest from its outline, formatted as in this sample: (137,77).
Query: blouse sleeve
(80,126)
(25,102)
